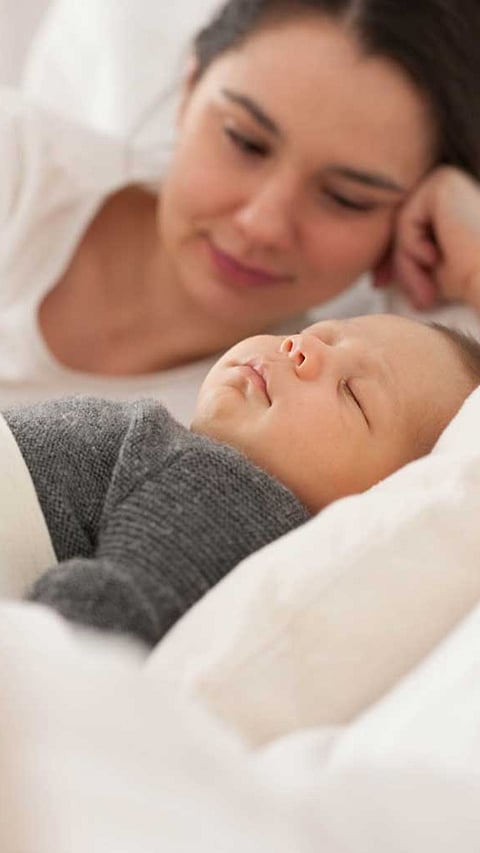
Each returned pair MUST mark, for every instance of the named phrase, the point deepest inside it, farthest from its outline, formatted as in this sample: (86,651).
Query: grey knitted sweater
(144,515)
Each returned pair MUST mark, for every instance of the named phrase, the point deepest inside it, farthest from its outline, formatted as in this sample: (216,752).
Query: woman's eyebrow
(365,177)
(254,109)
(370,179)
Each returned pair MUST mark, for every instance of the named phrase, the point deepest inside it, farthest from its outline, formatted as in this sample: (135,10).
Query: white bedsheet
(96,756)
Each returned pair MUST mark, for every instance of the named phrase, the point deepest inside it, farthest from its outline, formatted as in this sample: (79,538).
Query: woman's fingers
(411,268)
(438,230)
(424,248)
(416,254)
(415,280)
(436,247)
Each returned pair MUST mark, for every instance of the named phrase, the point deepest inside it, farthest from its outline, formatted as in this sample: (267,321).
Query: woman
(309,137)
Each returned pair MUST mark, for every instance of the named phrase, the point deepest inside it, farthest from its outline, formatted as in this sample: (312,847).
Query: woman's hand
(436,253)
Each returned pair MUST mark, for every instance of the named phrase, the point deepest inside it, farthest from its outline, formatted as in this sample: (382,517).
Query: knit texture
(144,516)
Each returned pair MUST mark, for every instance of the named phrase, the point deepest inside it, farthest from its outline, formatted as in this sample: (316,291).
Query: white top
(55,176)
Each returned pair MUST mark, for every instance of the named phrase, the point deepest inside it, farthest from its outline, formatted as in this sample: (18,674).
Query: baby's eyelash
(348,388)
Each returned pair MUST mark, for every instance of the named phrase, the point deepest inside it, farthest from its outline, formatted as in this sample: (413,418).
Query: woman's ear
(189,82)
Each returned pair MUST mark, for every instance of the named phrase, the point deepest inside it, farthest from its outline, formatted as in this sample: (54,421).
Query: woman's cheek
(351,245)
(203,189)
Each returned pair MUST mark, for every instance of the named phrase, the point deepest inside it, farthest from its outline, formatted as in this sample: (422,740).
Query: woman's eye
(245,144)
(348,203)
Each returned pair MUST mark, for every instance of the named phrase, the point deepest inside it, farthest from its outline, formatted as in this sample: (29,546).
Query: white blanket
(96,757)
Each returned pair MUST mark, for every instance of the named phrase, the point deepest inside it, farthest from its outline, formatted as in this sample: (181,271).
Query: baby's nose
(291,346)
(308,353)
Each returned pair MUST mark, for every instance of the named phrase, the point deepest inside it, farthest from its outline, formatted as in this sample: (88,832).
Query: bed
(325,696)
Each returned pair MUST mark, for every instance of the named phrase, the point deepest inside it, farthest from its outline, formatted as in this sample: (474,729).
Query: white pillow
(318,625)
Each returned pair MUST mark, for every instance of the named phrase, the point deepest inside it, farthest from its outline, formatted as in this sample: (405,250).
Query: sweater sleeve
(181,512)
(71,448)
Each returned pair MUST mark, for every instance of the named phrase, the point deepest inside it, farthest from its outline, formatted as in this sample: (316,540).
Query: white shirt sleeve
(135,53)
(52,171)
(31,134)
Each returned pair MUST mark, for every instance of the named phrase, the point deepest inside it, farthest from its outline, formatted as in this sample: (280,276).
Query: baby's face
(334,409)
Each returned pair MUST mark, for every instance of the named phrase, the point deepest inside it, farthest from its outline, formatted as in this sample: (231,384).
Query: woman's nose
(267,217)
(309,354)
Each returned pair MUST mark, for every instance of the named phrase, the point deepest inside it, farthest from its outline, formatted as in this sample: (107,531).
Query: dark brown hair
(435,42)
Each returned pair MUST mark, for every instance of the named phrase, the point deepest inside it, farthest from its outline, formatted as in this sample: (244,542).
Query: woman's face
(294,155)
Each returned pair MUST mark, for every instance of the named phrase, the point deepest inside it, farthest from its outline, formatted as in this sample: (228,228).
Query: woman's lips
(240,273)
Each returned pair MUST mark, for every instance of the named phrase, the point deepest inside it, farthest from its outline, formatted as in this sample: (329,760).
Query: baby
(145,515)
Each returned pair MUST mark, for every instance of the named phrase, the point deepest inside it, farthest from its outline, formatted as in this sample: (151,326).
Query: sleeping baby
(145,515)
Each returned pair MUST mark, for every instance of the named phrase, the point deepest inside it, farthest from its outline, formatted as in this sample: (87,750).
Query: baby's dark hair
(434,42)
(467,347)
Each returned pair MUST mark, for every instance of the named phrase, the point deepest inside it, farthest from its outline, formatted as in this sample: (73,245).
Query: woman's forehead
(333,86)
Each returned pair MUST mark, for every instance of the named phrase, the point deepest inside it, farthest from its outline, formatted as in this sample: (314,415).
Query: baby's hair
(467,350)
(467,347)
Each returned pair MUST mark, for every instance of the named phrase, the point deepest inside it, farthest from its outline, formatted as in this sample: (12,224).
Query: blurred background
(19,20)
(116,65)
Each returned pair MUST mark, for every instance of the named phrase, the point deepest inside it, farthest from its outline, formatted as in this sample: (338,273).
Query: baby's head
(336,408)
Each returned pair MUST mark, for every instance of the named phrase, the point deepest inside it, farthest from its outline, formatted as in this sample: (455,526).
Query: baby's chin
(204,423)
(198,425)
(218,429)
(213,413)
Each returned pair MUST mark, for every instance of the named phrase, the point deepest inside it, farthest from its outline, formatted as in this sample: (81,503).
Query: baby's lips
(260,369)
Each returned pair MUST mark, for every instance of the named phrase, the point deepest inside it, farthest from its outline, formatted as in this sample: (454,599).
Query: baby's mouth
(259,376)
